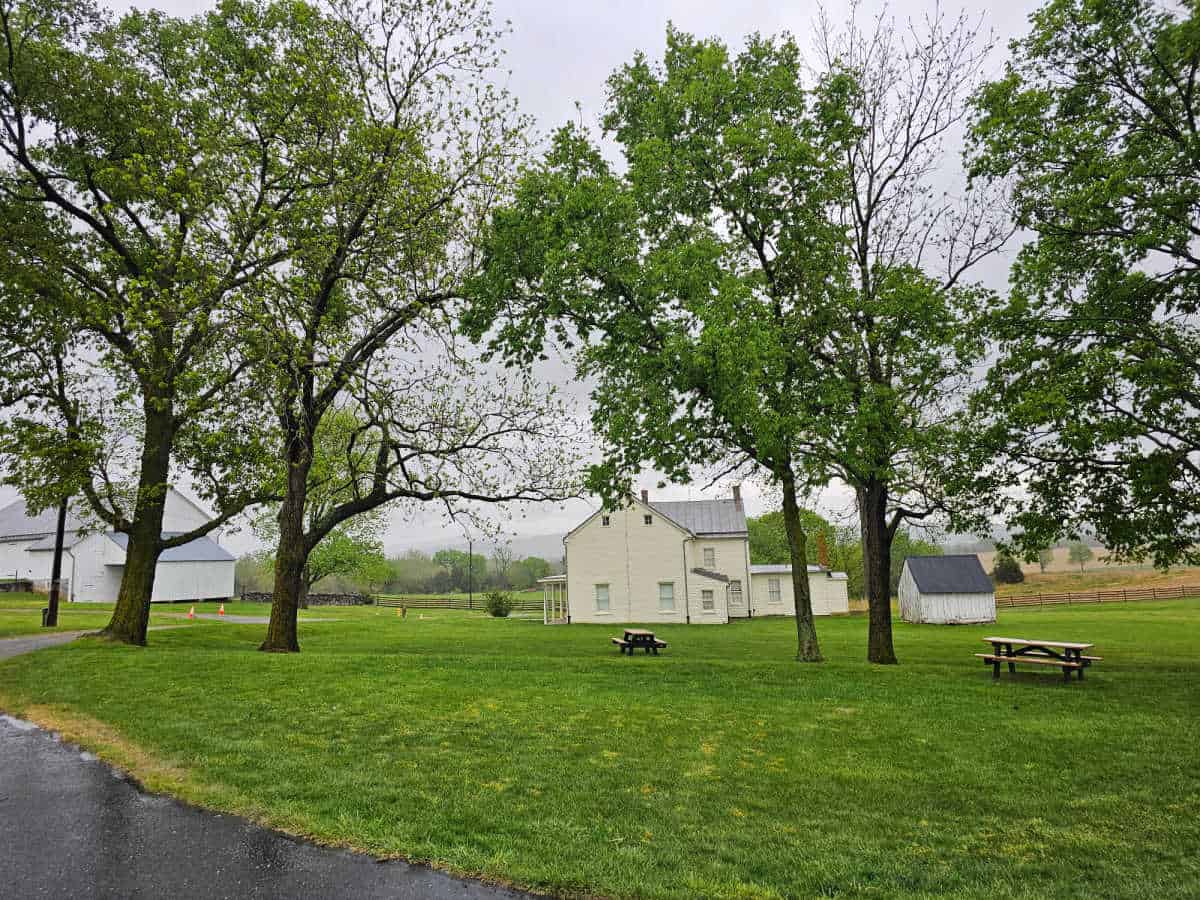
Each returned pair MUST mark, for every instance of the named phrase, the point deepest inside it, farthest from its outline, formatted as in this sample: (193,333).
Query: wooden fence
(1119,595)
(519,605)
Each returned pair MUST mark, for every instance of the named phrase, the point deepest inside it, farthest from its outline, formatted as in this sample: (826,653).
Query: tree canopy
(1092,413)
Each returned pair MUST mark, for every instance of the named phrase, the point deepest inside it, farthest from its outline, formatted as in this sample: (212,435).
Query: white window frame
(607,607)
(666,584)
(738,590)
(708,602)
(710,557)
(774,592)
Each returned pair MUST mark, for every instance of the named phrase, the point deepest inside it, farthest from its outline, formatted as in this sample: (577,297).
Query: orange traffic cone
(192,613)
(221,611)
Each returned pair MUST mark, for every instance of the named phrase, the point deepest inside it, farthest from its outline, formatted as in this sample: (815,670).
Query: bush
(498,603)
(1007,570)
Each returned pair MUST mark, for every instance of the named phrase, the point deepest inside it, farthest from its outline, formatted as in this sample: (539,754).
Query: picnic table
(1066,655)
(639,637)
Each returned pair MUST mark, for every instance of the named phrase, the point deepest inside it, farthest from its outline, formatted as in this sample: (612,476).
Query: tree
(1045,558)
(502,560)
(1079,552)
(904,545)
(413,146)
(1093,408)
(696,282)
(768,535)
(143,200)
(1006,570)
(901,349)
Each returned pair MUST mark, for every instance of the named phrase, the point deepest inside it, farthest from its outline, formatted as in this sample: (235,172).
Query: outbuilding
(946,590)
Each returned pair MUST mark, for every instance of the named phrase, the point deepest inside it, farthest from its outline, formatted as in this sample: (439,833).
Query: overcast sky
(560,53)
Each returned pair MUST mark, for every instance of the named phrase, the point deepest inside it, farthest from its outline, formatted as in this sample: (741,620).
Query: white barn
(946,590)
(685,562)
(94,560)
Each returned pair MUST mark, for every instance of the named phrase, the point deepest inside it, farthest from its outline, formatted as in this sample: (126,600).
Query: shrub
(498,603)
(1007,570)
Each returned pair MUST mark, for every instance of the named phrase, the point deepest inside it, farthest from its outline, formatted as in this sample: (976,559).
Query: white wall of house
(16,562)
(632,559)
(729,557)
(829,594)
(942,609)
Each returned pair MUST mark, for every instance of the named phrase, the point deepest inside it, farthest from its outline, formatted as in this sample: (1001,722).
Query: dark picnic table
(639,638)
(1066,655)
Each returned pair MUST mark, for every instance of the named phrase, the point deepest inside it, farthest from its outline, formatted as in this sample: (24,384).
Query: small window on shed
(605,521)
(710,557)
(647,520)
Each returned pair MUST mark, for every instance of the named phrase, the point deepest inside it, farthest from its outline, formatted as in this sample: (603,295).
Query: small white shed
(946,590)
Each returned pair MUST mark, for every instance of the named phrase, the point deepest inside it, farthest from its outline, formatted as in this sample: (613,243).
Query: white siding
(943,609)
(632,558)
(193,580)
(15,562)
(729,559)
(829,595)
(180,514)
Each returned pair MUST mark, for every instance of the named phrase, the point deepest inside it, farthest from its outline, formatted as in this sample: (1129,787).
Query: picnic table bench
(639,637)
(1066,655)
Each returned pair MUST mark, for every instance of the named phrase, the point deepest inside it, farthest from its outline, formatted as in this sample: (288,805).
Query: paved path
(18,645)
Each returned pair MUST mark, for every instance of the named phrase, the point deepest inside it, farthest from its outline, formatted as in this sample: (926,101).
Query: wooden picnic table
(639,637)
(1067,655)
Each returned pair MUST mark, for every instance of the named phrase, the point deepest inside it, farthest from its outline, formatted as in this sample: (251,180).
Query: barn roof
(202,549)
(705,517)
(956,574)
(17,522)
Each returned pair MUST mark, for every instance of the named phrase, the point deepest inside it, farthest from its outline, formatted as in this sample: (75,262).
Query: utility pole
(56,566)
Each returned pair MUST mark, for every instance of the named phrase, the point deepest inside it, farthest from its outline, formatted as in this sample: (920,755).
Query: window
(706,601)
(606,521)
(735,593)
(773,596)
(647,520)
(666,596)
(602,598)
(710,557)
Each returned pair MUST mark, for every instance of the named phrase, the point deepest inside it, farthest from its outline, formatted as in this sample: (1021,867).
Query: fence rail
(454,603)
(1118,595)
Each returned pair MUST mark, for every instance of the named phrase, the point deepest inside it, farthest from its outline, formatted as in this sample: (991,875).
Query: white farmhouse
(94,560)
(946,590)
(674,561)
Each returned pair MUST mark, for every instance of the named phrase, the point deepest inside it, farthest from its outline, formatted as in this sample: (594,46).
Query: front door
(737,601)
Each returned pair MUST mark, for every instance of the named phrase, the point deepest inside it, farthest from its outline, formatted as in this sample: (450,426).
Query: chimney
(645,496)
(737,495)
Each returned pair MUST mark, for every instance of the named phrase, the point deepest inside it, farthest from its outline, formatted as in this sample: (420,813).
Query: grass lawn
(721,769)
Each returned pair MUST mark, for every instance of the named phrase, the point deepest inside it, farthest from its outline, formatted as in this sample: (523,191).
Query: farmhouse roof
(958,574)
(705,517)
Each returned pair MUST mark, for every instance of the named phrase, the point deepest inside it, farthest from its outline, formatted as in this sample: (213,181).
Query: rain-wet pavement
(70,826)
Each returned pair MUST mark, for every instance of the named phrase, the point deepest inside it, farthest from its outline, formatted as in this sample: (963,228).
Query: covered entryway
(554,600)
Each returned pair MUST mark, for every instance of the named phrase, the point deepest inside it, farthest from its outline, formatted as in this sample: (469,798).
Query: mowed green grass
(720,769)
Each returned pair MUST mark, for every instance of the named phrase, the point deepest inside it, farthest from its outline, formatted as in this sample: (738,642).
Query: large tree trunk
(808,650)
(877,566)
(291,556)
(132,613)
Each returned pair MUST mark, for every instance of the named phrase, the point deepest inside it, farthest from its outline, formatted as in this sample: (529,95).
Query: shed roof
(779,569)
(202,549)
(956,574)
(705,517)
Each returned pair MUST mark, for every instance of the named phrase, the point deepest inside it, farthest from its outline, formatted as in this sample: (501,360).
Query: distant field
(1112,577)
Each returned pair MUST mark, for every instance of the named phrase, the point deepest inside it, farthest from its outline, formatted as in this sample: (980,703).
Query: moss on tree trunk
(807,650)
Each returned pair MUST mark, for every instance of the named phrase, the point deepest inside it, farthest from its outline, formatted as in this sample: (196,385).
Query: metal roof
(958,574)
(17,522)
(705,517)
(200,550)
(779,569)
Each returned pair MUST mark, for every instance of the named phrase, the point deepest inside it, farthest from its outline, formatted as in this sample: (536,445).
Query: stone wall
(315,599)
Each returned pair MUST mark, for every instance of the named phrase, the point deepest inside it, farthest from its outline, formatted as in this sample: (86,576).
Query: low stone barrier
(315,599)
